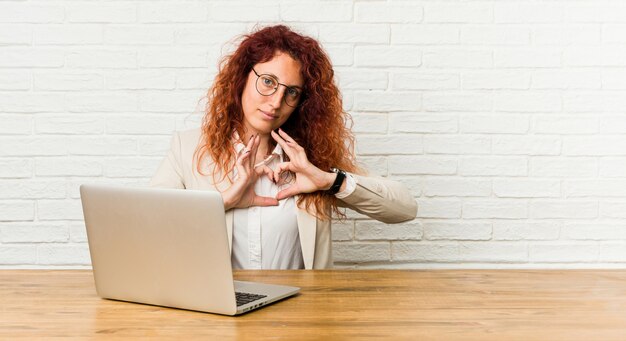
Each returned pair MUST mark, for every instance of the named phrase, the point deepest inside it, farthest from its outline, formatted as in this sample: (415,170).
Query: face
(263,114)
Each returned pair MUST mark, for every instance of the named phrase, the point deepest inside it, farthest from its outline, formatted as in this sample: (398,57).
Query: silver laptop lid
(157,246)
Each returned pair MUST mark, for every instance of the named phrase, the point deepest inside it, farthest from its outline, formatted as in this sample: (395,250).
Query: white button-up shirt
(267,237)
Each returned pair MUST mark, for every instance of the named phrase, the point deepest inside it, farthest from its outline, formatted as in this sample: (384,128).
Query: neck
(264,145)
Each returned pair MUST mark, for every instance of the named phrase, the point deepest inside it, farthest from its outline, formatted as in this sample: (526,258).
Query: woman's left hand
(309,178)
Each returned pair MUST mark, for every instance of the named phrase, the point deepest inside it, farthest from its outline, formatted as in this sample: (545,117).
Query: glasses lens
(292,97)
(266,85)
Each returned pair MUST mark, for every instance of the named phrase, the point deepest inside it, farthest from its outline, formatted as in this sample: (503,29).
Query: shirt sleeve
(381,199)
(350,187)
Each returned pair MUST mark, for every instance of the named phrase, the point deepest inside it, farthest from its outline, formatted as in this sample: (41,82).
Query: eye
(293,92)
(268,81)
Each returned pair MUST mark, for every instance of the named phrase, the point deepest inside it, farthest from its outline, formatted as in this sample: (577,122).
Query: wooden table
(338,304)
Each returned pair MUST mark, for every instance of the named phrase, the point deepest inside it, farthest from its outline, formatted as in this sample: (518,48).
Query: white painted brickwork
(506,119)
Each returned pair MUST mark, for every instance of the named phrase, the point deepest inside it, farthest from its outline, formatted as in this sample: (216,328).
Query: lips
(268,115)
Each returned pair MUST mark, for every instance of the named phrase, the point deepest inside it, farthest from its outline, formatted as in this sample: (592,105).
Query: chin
(264,127)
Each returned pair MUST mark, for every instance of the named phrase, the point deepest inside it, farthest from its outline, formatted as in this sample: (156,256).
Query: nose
(276,99)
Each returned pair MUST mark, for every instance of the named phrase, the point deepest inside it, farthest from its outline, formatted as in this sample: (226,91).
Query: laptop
(167,247)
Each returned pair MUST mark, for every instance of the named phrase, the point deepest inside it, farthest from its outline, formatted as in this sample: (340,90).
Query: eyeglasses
(267,85)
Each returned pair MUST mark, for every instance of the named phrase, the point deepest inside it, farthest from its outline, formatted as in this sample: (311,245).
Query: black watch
(341,177)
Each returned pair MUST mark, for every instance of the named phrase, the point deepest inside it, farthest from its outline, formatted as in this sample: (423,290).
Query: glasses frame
(287,87)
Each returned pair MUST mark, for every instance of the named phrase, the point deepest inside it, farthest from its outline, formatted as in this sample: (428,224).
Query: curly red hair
(318,124)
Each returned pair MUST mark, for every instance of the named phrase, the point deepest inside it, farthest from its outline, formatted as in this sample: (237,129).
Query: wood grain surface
(337,304)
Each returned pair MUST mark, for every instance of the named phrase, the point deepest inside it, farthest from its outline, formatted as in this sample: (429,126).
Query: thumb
(288,192)
(264,201)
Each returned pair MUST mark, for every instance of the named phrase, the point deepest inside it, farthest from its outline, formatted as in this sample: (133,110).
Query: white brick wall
(506,120)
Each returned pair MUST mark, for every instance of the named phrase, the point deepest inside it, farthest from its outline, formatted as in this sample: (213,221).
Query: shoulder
(184,143)
(189,138)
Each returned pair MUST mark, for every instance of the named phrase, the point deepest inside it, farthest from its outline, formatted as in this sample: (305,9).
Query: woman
(274,143)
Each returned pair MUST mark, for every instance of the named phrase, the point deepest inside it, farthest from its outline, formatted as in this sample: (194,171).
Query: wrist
(339,182)
(322,180)
(329,179)
(228,204)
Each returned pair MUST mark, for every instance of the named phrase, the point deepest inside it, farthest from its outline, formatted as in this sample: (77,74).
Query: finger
(284,166)
(250,145)
(286,137)
(241,161)
(283,144)
(255,148)
(264,201)
(265,170)
(280,169)
(243,156)
(260,170)
(288,192)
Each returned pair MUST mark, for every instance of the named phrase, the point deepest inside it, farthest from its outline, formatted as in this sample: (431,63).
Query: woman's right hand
(241,193)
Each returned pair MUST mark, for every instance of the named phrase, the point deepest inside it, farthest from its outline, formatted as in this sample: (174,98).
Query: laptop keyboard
(244,297)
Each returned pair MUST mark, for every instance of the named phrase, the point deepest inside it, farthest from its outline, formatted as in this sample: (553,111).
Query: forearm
(382,199)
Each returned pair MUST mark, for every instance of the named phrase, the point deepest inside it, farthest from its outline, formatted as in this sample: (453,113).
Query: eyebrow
(277,78)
